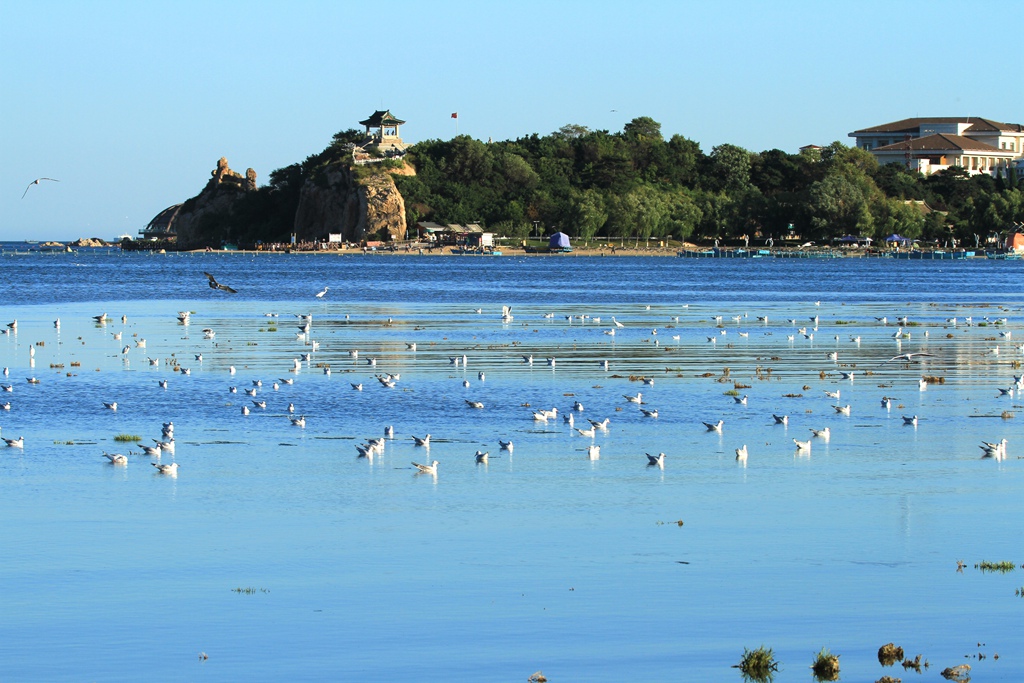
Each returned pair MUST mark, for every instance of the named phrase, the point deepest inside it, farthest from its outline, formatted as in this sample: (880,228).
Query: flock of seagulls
(375,447)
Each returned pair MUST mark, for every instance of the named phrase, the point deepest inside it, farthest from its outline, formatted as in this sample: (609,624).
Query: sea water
(542,559)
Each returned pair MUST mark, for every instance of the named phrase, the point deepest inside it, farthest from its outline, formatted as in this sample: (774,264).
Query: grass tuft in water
(826,666)
(758,665)
(889,654)
(127,438)
(732,392)
(1003,567)
(250,590)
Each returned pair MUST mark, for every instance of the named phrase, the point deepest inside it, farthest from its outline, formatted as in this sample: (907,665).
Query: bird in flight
(216,285)
(907,357)
(36,182)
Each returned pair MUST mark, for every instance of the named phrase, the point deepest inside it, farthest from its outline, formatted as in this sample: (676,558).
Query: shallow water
(539,560)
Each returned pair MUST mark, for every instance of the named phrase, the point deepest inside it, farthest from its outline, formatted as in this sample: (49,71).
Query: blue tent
(899,239)
(559,241)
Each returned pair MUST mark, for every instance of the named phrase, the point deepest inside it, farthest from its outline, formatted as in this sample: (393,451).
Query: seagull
(577,406)
(411,347)
(16,443)
(994,450)
(111,406)
(291,408)
(741,453)
(781,419)
(633,399)
(7,387)
(593,452)
(740,399)
(846,375)
(886,402)
(528,359)
(250,392)
(475,404)
(299,421)
(832,394)
(922,384)
(426,469)
(602,425)
(587,432)
(245,410)
(844,410)
(116,458)
(648,381)
(802,445)
(825,433)
(171,469)
(716,427)
(540,417)
(232,390)
(260,404)
(656,460)
(907,357)
(569,419)
(320,295)
(5,406)
(649,413)
(505,445)
(910,420)
(151,450)
(425,441)
(36,182)
(101,319)
(286,380)
(481,456)
(216,285)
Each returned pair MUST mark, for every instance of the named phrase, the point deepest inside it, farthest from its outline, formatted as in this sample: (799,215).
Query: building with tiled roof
(931,144)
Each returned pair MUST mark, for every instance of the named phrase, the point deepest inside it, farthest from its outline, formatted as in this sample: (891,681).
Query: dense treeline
(637,185)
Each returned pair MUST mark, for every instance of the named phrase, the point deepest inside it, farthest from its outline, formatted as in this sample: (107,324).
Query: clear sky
(130,104)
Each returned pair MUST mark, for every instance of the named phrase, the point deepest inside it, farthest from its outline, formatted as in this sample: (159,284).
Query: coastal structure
(383,136)
(929,145)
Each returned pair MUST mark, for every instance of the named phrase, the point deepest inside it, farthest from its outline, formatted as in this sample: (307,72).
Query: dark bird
(216,285)
(36,182)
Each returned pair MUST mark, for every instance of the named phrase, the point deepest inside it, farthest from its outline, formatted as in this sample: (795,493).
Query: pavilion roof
(381,118)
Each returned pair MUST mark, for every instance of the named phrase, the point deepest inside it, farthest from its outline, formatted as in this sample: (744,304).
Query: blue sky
(130,104)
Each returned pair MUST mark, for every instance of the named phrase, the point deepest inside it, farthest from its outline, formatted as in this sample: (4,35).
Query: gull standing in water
(171,469)
(741,453)
(426,469)
(594,452)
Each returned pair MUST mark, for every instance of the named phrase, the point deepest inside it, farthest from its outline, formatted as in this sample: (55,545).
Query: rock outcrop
(356,208)
(89,242)
(212,204)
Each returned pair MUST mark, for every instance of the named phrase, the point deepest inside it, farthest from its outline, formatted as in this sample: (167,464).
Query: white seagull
(425,441)
(781,419)
(171,469)
(716,427)
(426,469)
(656,460)
(116,458)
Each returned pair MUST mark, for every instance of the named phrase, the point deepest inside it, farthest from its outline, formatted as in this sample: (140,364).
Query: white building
(929,145)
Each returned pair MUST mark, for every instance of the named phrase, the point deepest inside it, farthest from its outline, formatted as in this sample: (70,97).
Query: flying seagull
(216,285)
(907,357)
(36,182)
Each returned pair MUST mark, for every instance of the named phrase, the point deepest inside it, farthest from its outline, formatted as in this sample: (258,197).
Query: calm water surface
(539,560)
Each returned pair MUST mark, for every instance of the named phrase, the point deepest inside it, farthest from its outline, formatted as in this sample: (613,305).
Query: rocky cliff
(357,208)
(212,206)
